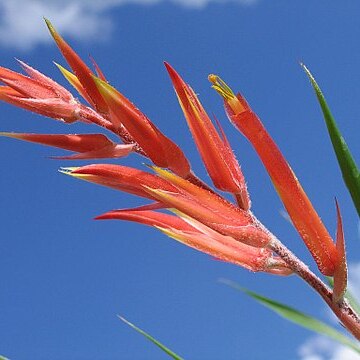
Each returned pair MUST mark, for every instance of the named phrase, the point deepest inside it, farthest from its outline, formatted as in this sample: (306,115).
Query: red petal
(60,91)
(99,73)
(210,242)
(161,150)
(151,218)
(90,146)
(109,152)
(220,207)
(216,153)
(53,108)
(121,178)
(81,70)
(25,85)
(302,213)
(253,259)
(74,81)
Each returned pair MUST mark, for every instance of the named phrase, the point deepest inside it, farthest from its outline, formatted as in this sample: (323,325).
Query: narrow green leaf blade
(297,317)
(153,340)
(349,169)
(3,358)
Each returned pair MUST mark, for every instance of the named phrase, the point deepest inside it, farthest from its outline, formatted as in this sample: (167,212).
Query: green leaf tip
(349,169)
(296,316)
(153,340)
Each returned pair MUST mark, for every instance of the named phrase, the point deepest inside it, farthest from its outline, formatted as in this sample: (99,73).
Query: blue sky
(64,277)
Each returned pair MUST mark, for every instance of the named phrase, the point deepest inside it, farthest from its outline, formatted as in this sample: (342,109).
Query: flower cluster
(181,205)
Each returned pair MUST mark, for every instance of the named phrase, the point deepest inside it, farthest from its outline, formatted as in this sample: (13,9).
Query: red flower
(301,211)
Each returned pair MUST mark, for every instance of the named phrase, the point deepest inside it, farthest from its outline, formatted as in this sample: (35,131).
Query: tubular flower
(81,70)
(86,146)
(200,237)
(215,150)
(160,149)
(38,93)
(174,192)
(133,126)
(42,95)
(302,213)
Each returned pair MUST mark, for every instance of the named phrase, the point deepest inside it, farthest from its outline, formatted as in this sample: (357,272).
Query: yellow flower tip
(221,87)
(170,234)
(68,75)
(105,89)
(61,68)
(159,171)
(162,229)
(212,78)
(47,21)
(225,91)
(50,27)
(179,213)
(8,134)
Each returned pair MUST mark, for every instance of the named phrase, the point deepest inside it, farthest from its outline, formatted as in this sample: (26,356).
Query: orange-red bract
(300,209)
(214,149)
(340,275)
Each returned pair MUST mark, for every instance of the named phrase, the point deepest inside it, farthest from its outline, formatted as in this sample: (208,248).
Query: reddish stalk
(342,310)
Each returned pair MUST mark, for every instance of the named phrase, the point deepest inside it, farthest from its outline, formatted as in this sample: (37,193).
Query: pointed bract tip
(50,27)
(169,233)
(340,274)
(168,66)
(60,67)
(9,134)
(68,75)
(163,173)
(172,72)
(68,170)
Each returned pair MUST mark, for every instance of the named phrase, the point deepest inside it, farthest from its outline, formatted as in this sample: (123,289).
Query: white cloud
(202,3)
(322,348)
(24,29)
(21,23)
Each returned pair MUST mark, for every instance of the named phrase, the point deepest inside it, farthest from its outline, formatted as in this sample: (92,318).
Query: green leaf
(3,358)
(149,337)
(349,169)
(297,317)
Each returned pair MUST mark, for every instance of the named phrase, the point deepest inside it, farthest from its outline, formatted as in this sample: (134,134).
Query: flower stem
(343,311)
